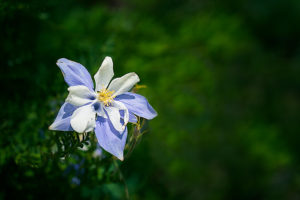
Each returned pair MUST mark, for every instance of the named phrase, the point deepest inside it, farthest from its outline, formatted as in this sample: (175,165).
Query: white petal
(80,95)
(124,83)
(98,107)
(104,74)
(121,106)
(115,117)
(83,119)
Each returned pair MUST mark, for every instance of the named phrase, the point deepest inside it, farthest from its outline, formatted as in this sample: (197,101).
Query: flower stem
(122,179)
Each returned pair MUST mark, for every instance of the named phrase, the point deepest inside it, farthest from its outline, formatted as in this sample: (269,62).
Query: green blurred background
(222,75)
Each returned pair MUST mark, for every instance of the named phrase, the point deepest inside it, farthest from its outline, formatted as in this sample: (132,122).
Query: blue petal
(75,74)
(132,117)
(62,121)
(137,105)
(109,138)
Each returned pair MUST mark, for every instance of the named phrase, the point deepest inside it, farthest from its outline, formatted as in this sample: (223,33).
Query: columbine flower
(106,110)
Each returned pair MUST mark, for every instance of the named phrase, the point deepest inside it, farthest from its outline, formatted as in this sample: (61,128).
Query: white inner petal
(83,119)
(98,106)
(121,106)
(124,83)
(80,95)
(104,74)
(115,117)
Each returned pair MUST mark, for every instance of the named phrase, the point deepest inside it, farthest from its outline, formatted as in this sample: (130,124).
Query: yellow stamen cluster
(106,96)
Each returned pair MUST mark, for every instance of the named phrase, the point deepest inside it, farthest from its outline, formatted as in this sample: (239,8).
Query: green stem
(122,179)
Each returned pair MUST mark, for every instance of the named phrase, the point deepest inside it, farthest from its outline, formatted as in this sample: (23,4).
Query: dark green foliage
(222,75)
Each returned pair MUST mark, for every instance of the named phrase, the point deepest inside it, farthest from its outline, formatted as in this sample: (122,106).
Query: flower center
(106,96)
